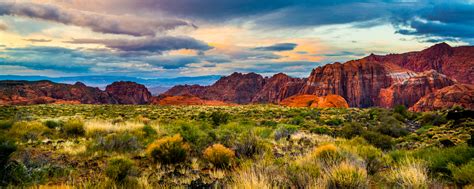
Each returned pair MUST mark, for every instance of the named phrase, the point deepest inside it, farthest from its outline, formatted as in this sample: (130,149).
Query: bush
(298,120)
(327,154)
(401,109)
(28,130)
(7,147)
(168,150)
(352,129)
(381,141)
(464,174)
(53,124)
(6,124)
(121,142)
(285,131)
(321,130)
(219,155)
(74,127)
(248,145)
(193,134)
(391,127)
(218,118)
(408,174)
(333,122)
(346,175)
(438,159)
(118,169)
(373,157)
(149,131)
(302,174)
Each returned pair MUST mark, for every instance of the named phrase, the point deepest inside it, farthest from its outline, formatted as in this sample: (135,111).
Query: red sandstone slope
(126,92)
(41,92)
(277,88)
(455,95)
(330,101)
(454,62)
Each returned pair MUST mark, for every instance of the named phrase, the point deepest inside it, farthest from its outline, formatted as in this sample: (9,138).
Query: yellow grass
(92,126)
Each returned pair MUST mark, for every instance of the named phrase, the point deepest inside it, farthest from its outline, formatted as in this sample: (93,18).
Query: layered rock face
(454,62)
(455,95)
(359,82)
(239,88)
(330,101)
(409,91)
(126,92)
(42,92)
(277,88)
(187,100)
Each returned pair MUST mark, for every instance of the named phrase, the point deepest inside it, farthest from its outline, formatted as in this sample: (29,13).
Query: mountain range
(437,77)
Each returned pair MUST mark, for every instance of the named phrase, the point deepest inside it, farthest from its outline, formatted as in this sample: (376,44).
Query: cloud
(112,24)
(158,45)
(278,47)
(38,40)
(342,53)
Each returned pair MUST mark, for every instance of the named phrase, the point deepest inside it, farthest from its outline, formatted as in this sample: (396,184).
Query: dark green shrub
(439,158)
(218,118)
(248,145)
(464,174)
(168,150)
(352,129)
(149,131)
(74,128)
(285,131)
(333,122)
(298,120)
(269,123)
(6,124)
(193,134)
(401,109)
(391,127)
(118,169)
(28,130)
(431,118)
(53,124)
(381,141)
(321,130)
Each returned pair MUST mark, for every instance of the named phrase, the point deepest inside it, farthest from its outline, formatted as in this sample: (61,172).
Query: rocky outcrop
(359,82)
(409,91)
(187,100)
(330,101)
(190,90)
(43,92)
(455,95)
(126,92)
(277,88)
(454,62)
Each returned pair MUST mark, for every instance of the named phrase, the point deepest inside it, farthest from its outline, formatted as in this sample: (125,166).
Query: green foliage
(248,145)
(321,130)
(29,130)
(219,155)
(352,129)
(391,127)
(432,118)
(74,128)
(379,140)
(401,109)
(334,122)
(298,120)
(118,169)
(463,174)
(6,124)
(218,118)
(439,158)
(149,131)
(347,176)
(285,130)
(53,124)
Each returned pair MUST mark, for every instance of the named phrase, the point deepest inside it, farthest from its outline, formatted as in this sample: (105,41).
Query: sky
(164,38)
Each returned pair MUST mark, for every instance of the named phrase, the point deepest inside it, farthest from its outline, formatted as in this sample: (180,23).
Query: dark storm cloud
(278,47)
(149,44)
(128,25)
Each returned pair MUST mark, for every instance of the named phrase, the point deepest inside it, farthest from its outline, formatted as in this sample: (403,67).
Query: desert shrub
(219,155)
(218,118)
(7,147)
(438,159)
(352,129)
(121,142)
(464,174)
(53,124)
(321,130)
(373,157)
(408,174)
(6,124)
(192,133)
(346,175)
(248,145)
(269,123)
(401,109)
(298,120)
(29,130)
(391,127)
(168,150)
(118,169)
(74,128)
(149,131)
(432,118)
(334,122)
(381,141)
(302,173)
(285,131)
(327,154)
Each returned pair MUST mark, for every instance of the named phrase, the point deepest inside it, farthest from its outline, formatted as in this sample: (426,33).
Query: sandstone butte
(329,101)
(455,95)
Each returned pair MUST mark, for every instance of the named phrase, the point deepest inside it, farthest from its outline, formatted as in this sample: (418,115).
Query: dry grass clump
(219,155)
(168,150)
(327,154)
(101,126)
(408,174)
(346,175)
(251,179)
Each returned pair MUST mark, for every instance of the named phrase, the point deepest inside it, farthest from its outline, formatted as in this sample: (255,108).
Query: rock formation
(330,101)
(126,92)
(455,95)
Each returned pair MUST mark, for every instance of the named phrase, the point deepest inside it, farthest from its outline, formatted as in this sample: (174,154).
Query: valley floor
(252,146)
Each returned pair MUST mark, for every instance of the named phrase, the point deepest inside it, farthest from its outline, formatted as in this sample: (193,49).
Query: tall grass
(409,173)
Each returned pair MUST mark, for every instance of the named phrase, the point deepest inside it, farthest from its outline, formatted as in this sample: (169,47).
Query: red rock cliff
(126,92)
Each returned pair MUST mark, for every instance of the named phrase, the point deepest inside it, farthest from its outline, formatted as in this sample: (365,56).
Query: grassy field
(252,146)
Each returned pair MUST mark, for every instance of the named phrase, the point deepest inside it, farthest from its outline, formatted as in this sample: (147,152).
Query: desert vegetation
(250,146)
